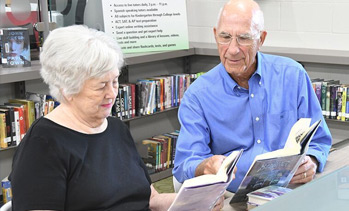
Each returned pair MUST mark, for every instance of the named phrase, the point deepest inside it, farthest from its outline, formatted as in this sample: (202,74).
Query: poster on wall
(143,26)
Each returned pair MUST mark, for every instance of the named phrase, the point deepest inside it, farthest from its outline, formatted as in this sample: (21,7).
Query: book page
(292,146)
(221,175)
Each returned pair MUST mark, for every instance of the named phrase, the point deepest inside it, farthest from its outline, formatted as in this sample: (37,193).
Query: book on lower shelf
(202,192)
(15,47)
(278,167)
(264,195)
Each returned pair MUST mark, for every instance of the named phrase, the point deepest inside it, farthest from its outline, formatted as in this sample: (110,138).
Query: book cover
(15,47)
(278,167)
(202,192)
(263,195)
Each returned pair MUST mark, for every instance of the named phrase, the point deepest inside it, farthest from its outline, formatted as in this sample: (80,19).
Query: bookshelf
(199,57)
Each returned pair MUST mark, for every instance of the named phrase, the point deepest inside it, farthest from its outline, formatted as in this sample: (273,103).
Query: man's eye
(244,38)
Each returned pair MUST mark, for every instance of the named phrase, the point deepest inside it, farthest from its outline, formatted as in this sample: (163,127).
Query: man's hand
(209,165)
(306,171)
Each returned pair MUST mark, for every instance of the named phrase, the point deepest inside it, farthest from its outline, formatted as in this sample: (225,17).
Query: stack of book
(264,195)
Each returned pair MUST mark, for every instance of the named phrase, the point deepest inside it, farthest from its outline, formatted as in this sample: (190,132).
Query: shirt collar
(230,84)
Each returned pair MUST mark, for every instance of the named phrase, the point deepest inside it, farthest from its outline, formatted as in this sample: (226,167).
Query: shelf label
(143,26)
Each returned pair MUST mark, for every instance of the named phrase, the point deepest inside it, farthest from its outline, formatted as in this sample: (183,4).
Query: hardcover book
(202,192)
(278,167)
(15,47)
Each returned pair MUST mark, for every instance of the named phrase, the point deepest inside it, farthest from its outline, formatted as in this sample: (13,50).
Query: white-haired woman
(76,157)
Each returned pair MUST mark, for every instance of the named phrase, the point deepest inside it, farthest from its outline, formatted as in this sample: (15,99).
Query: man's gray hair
(71,55)
(257,19)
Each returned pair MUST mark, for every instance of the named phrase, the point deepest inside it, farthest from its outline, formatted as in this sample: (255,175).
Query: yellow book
(29,111)
(3,144)
(344,100)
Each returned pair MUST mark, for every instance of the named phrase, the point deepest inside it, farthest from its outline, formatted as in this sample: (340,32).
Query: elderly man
(250,100)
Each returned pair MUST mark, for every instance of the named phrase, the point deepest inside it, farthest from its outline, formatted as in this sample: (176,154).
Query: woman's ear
(66,97)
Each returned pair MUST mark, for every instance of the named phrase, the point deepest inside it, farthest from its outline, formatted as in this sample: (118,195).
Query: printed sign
(143,26)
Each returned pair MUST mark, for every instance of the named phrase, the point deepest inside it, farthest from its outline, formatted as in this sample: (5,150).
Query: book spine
(17,128)
(328,101)
(339,102)
(122,102)
(133,97)
(323,98)
(3,133)
(344,100)
(117,106)
(333,106)
(129,101)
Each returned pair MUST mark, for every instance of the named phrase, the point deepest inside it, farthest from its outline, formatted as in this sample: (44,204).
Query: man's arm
(192,146)
(319,146)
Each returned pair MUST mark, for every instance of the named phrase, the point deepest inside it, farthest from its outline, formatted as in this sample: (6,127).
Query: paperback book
(202,192)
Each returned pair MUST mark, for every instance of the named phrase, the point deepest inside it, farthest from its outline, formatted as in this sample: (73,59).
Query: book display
(15,47)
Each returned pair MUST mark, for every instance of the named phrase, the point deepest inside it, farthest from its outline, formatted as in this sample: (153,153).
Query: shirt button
(257,118)
(259,141)
(252,95)
(239,87)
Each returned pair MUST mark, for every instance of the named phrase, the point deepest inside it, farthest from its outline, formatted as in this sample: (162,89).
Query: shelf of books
(333,98)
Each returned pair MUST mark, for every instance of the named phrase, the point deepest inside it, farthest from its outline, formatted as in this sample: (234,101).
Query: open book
(202,192)
(278,167)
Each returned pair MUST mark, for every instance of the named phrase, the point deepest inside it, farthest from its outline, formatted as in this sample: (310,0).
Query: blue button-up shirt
(217,116)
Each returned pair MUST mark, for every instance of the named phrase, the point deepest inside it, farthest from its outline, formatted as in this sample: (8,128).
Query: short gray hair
(71,55)
(257,21)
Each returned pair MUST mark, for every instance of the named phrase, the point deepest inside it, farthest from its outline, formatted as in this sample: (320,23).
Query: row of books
(17,115)
(333,98)
(14,47)
(151,95)
(160,151)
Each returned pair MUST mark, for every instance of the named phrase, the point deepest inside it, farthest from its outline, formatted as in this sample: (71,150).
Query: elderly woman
(77,157)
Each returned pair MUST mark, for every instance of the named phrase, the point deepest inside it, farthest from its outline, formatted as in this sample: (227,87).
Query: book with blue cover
(278,167)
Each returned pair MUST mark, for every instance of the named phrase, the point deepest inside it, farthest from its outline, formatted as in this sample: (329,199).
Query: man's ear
(214,33)
(262,38)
